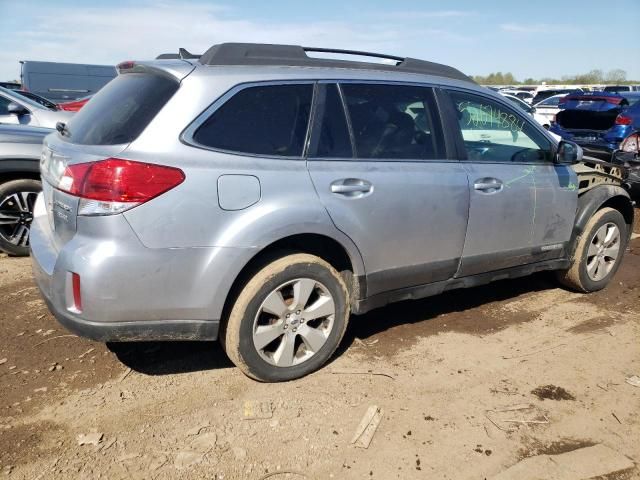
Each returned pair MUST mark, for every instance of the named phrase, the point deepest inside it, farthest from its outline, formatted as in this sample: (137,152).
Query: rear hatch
(102,130)
(589,114)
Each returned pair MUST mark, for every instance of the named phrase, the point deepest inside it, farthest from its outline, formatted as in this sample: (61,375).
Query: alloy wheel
(603,252)
(293,322)
(16,215)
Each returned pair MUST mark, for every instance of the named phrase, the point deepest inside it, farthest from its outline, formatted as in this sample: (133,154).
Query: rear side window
(393,121)
(263,120)
(120,111)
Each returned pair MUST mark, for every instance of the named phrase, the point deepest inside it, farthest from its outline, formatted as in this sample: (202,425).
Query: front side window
(263,120)
(393,121)
(493,133)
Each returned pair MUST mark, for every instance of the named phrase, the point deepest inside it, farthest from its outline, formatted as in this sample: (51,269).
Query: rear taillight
(115,185)
(623,120)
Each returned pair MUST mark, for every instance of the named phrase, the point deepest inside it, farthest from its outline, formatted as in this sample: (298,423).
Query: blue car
(598,121)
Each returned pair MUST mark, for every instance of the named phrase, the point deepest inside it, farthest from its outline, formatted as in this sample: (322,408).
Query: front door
(382,174)
(522,205)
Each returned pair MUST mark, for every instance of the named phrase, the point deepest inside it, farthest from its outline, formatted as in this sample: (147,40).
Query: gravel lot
(469,384)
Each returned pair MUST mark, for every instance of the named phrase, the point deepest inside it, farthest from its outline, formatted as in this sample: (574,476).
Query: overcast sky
(530,39)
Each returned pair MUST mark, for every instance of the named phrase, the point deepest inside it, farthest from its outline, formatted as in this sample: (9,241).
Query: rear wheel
(598,253)
(17,199)
(288,319)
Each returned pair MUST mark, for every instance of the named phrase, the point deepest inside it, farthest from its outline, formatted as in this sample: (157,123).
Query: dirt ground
(468,384)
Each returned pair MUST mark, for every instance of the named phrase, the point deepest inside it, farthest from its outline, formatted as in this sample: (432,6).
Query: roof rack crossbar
(353,52)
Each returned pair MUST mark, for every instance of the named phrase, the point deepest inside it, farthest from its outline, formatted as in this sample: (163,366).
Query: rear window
(121,110)
(263,120)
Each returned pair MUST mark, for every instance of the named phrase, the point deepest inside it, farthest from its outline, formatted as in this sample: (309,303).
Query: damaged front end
(628,158)
(622,168)
(593,172)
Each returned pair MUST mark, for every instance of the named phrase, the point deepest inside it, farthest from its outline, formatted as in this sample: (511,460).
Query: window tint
(334,139)
(121,110)
(265,120)
(493,133)
(393,121)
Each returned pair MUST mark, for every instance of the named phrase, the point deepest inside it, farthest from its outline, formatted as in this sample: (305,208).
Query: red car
(75,105)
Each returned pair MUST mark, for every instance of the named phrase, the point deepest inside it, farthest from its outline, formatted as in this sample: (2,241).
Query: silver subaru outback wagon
(259,196)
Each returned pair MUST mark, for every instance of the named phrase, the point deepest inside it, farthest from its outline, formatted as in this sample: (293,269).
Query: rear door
(383,175)
(522,205)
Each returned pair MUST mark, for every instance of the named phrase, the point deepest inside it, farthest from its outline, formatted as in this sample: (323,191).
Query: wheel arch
(18,169)
(600,197)
(340,253)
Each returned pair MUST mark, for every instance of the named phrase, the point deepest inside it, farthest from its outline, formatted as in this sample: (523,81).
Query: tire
(584,275)
(258,315)
(17,199)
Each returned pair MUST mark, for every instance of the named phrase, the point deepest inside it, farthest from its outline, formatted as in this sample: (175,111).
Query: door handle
(488,185)
(351,187)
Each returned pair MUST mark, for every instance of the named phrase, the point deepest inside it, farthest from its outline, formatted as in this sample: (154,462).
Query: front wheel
(288,319)
(598,253)
(17,199)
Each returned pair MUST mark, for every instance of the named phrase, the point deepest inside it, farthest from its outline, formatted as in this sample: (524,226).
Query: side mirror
(17,109)
(534,109)
(569,153)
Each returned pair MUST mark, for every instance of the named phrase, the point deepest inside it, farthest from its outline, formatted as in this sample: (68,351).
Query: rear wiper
(62,128)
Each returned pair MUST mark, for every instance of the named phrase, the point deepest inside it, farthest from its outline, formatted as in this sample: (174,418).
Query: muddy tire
(598,254)
(288,319)
(17,199)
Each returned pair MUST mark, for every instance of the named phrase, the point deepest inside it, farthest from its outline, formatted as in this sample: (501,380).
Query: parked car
(10,85)
(598,121)
(38,99)
(621,88)
(262,201)
(16,109)
(61,82)
(549,108)
(75,105)
(533,111)
(523,95)
(20,150)
(544,94)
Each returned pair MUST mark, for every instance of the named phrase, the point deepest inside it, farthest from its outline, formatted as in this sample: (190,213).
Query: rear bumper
(131,292)
(136,331)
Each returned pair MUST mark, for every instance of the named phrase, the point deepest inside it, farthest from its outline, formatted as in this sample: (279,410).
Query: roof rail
(182,54)
(294,55)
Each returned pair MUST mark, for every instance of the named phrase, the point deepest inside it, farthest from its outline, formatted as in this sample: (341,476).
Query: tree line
(616,76)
